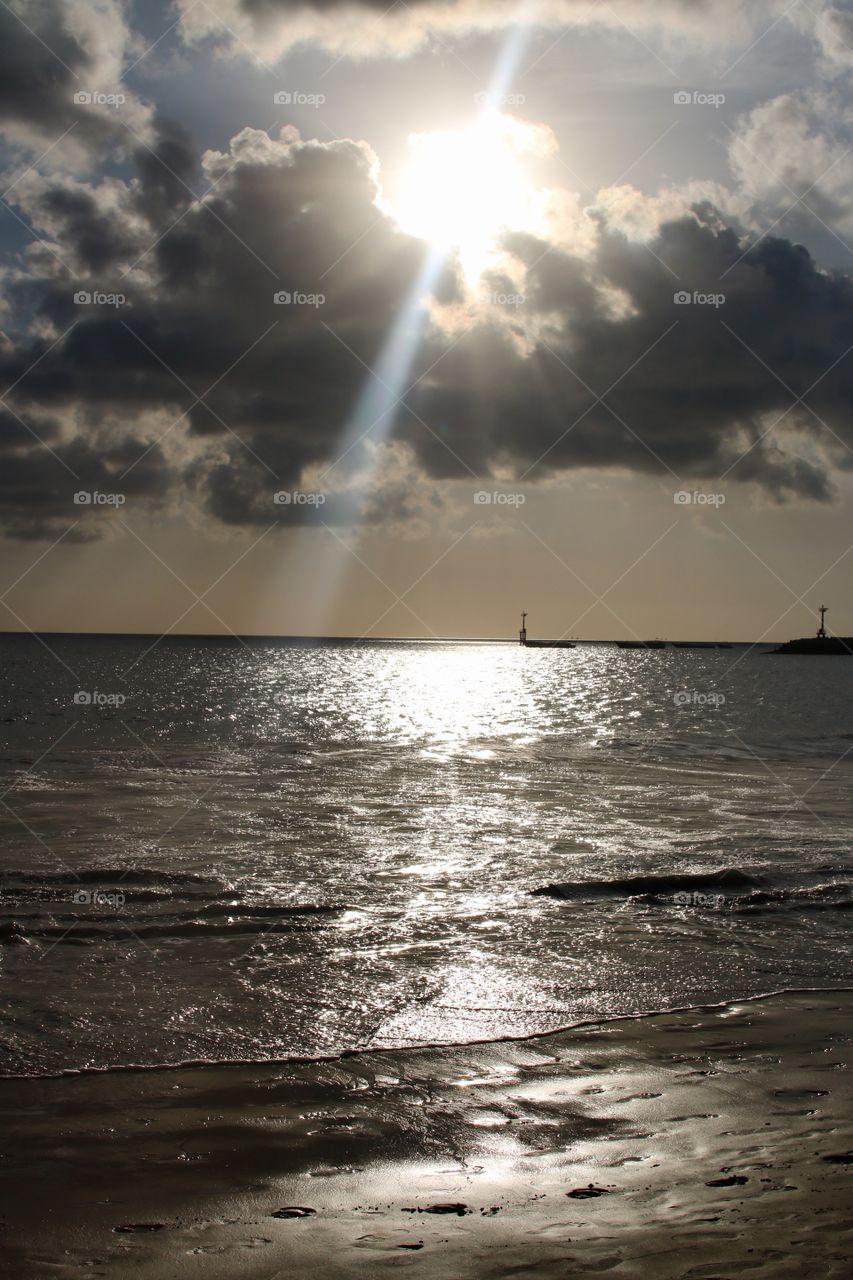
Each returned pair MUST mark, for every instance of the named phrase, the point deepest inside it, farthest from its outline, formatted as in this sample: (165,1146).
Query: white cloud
(268,28)
(796,145)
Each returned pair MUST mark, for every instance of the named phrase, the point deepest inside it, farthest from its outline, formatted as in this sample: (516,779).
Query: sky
(371,320)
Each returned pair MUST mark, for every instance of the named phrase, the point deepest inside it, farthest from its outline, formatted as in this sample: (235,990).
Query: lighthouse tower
(821,635)
(522,635)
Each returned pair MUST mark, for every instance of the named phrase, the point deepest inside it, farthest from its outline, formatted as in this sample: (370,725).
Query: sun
(460,189)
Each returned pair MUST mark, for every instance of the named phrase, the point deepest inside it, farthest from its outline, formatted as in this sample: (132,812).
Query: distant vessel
(541,644)
(822,644)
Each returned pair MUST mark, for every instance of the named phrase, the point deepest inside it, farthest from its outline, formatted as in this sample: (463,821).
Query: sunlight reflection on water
(423,792)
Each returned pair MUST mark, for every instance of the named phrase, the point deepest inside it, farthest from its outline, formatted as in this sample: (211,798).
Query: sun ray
(374,413)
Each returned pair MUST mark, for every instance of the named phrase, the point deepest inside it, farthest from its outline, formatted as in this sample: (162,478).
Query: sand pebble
(459,1209)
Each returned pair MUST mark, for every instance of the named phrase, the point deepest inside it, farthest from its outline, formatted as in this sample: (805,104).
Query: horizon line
(284,636)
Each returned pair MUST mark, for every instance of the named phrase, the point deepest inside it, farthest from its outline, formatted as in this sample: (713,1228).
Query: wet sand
(706,1144)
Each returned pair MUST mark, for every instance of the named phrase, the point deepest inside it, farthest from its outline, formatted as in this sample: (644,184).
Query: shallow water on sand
(294,850)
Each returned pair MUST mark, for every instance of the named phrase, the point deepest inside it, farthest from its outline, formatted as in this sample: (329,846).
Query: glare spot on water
(418,794)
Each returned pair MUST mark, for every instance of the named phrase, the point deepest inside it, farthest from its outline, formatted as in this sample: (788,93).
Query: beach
(426,749)
(706,1142)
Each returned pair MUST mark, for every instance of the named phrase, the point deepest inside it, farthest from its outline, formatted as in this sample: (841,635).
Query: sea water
(221,851)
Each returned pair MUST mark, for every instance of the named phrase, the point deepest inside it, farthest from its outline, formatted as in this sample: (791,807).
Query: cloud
(191,311)
(693,384)
(61,65)
(366,28)
(788,156)
(200,387)
(831,26)
(43,466)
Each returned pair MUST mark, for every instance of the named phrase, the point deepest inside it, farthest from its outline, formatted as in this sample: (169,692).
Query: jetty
(822,644)
(541,644)
(527,643)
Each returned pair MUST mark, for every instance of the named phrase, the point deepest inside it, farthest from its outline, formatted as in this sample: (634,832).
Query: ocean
(225,852)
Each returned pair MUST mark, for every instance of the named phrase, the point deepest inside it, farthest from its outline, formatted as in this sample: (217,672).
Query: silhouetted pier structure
(541,644)
(822,644)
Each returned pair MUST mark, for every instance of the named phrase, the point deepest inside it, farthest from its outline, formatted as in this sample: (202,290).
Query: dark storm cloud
(51,52)
(38,76)
(43,473)
(687,389)
(285,373)
(98,239)
(685,386)
(14,432)
(168,172)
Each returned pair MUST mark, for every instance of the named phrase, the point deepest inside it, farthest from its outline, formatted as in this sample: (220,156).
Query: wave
(112,875)
(821,897)
(138,902)
(728,748)
(71,930)
(728,879)
(736,891)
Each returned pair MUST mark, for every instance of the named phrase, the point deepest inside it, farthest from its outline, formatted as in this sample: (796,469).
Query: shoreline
(236,1064)
(716,1138)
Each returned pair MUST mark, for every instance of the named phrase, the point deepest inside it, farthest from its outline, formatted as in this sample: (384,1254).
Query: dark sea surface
(283,849)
